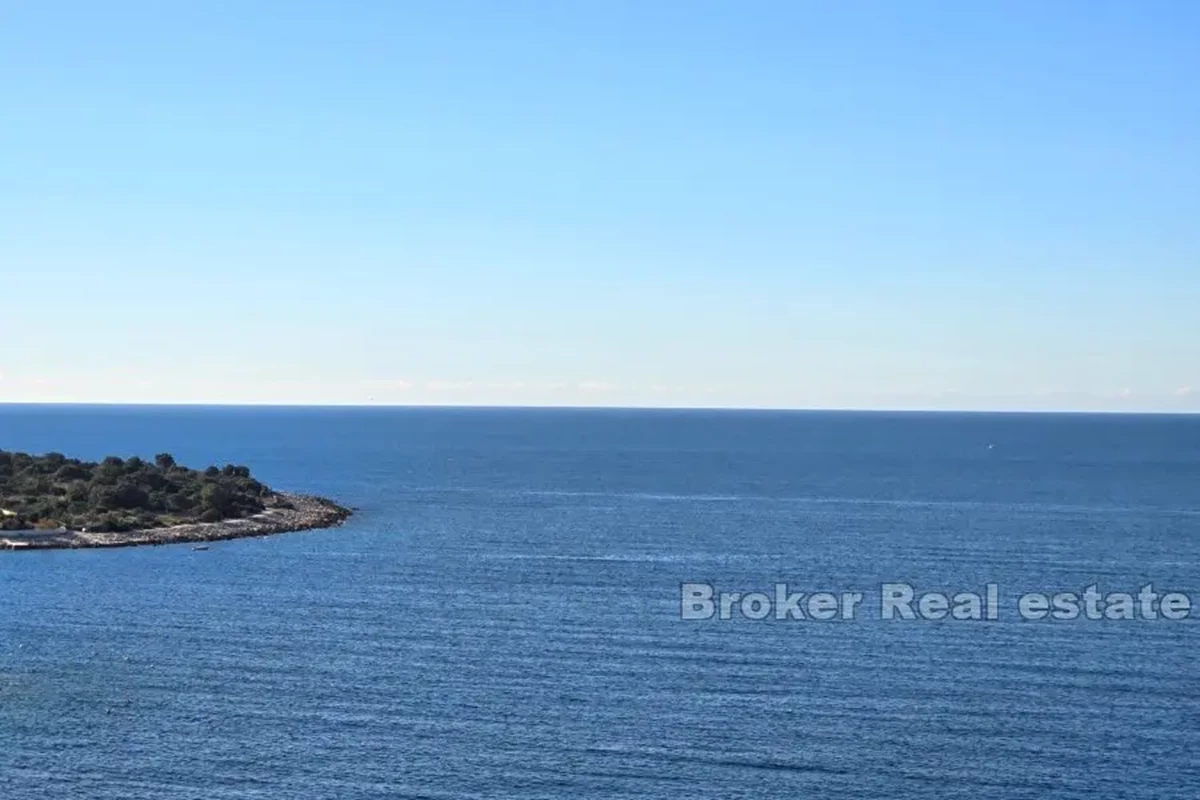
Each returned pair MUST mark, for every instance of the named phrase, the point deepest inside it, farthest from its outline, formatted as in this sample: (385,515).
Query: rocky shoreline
(306,513)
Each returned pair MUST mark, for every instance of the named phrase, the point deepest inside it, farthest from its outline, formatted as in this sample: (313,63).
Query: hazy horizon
(547,407)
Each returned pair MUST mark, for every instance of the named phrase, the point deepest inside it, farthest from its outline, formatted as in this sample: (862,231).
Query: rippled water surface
(501,619)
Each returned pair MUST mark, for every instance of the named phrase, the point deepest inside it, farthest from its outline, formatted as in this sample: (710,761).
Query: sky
(988,205)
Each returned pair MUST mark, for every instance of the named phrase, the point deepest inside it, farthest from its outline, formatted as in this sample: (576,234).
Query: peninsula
(51,501)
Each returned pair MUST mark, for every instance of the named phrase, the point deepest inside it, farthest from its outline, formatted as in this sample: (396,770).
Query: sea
(517,610)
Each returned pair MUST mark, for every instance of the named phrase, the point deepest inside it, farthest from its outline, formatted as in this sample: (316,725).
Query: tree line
(120,494)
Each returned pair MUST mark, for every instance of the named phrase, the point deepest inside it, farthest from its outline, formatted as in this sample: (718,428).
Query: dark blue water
(501,619)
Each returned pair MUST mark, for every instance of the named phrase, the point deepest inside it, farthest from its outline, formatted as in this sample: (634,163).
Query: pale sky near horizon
(758,204)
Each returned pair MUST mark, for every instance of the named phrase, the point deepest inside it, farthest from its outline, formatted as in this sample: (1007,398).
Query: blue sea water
(501,618)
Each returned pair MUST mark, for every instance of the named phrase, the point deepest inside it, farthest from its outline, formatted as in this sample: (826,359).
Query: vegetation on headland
(52,491)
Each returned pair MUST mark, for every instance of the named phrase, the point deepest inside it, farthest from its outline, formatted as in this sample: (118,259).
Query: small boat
(200,547)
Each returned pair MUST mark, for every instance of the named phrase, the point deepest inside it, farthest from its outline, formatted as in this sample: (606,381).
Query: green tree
(72,472)
(129,495)
(216,497)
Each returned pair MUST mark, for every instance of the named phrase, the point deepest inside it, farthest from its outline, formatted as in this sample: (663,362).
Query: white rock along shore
(307,513)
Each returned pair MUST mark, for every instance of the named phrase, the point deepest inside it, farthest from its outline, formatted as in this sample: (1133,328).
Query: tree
(72,472)
(102,497)
(216,497)
(165,461)
(130,495)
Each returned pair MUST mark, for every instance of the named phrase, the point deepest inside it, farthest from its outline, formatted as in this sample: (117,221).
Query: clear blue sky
(795,204)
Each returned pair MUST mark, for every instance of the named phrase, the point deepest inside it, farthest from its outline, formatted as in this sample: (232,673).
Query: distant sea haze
(504,615)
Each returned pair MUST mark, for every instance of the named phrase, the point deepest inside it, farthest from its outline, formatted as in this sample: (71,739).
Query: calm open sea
(501,619)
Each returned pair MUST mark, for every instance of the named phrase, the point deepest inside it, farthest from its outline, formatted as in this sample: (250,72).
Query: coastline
(308,513)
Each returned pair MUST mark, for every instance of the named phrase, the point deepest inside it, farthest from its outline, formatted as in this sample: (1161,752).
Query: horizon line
(550,407)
